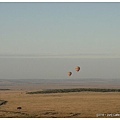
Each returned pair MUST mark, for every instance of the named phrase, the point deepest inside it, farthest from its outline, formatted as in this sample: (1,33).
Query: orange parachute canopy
(77,68)
(69,73)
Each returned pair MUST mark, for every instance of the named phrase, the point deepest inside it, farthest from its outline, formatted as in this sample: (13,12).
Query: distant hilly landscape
(36,84)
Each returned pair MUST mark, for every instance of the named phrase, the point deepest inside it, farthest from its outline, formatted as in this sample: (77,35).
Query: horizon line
(79,55)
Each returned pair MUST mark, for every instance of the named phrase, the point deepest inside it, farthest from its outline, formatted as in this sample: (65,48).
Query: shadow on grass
(3,102)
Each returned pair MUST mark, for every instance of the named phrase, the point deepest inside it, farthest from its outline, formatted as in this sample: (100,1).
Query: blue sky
(59,28)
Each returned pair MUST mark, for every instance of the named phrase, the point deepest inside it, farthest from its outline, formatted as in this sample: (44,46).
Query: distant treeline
(4,89)
(74,90)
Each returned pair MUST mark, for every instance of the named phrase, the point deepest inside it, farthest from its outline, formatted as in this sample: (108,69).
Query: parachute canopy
(69,73)
(77,68)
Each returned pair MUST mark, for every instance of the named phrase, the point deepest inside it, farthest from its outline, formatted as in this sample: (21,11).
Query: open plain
(84,104)
(63,105)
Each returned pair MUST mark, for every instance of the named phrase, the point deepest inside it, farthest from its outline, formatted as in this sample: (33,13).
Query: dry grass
(79,104)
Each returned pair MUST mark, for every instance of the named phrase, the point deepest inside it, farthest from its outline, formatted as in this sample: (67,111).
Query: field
(84,98)
(60,105)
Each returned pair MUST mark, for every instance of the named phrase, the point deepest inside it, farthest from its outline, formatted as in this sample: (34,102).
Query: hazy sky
(59,30)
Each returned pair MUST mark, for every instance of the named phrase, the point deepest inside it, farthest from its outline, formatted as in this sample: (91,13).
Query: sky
(70,31)
(59,28)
